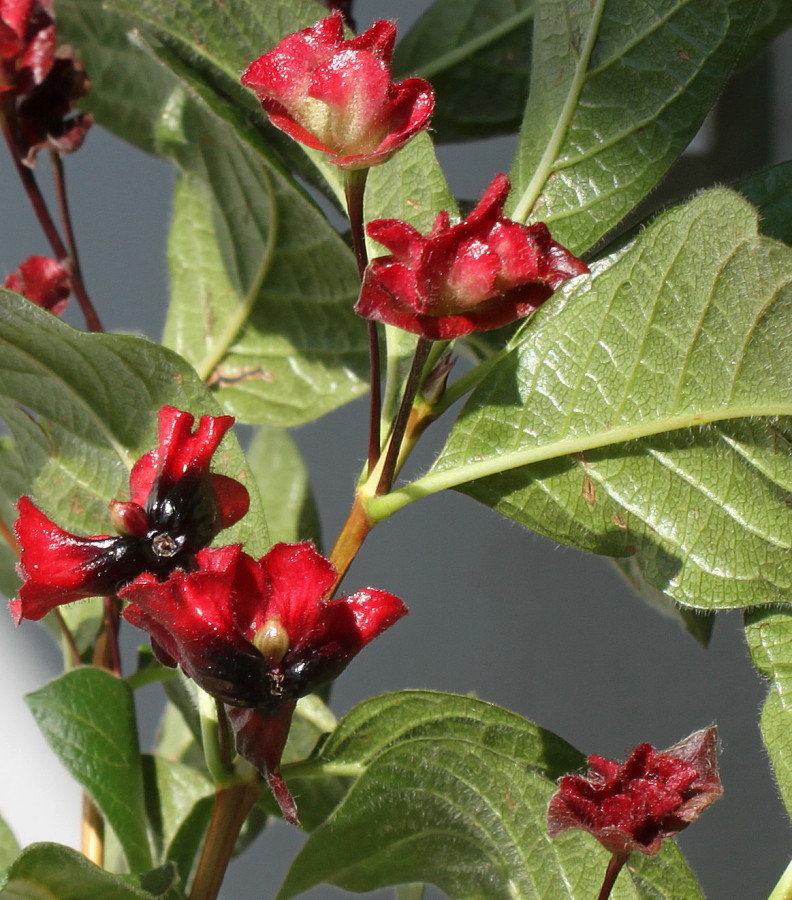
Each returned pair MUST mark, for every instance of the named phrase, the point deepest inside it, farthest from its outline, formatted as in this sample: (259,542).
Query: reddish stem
(403,415)
(355,189)
(48,226)
(231,807)
(77,283)
(615,865)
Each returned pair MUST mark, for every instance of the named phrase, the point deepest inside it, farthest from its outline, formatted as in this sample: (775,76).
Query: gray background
(542,629)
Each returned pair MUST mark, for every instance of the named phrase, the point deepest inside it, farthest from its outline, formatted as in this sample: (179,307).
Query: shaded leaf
(262,287)
(774,18)
(698,624)
(618,90)
(52,871)
(477,55)
(285,490)
(771,192)
(454,791)
(179,805)
(88,718)
(637,414)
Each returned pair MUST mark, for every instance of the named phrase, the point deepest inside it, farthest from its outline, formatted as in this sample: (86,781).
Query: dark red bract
(481,273)
(258,634)
(46,115)
(177,508)
(44,281)
(336,95)
(635,804)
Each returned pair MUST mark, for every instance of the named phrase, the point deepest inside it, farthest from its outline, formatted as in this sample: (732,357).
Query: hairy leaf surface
(643,412)
(618,89)
(453,791)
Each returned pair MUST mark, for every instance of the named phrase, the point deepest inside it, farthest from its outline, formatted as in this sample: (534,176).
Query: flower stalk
(232,804)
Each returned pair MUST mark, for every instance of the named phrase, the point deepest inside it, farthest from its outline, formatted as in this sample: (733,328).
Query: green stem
(214,731)
(783,890)
(545,166)
(379,508)
(311,768)
(235,323)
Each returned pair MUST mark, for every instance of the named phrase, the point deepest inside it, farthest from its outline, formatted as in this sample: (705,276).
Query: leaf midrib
(380,508)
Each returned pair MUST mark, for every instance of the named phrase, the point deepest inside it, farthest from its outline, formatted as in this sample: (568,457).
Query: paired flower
(177,507)
(44,281)
(258,634)
(635,804)
(336,95)
(484,272)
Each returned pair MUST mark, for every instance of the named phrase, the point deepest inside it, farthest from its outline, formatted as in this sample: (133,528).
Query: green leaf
(179,805)
(262,286)
(93,399)
(454,791)
(771,192)
(637,413)
(9,848)
(774,18)
(284,487)
(54,872)
(129,90)
(617,92)
(88,718)
(477,54)
(769,636)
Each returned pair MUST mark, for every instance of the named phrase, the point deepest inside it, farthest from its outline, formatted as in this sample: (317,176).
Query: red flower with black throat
(258,635)
(336,95)
(481,273)
(177,507)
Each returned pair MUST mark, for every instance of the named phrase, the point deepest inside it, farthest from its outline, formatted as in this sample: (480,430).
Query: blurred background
(541,629)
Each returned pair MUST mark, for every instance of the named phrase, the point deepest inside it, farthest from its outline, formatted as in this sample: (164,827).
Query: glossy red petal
(335,95)
(298,577)
(481,273)
(56,566)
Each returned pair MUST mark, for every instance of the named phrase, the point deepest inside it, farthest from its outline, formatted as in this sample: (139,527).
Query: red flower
(335,95)
(258,635)
(46,116)
(482,273)
(27,44)
(177,508)
(43,281)
(635,804)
